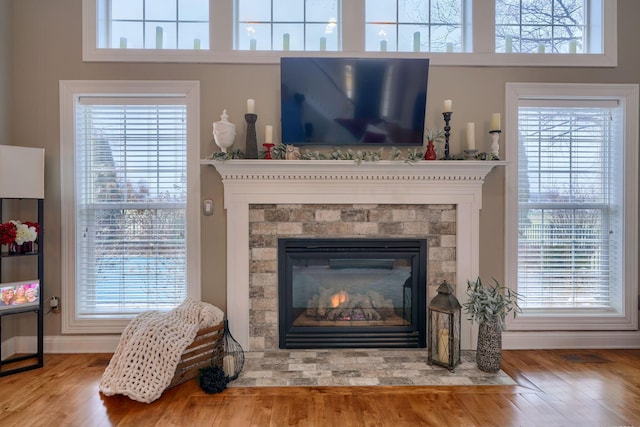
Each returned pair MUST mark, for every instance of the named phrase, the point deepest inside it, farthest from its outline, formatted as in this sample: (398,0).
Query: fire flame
(339,298)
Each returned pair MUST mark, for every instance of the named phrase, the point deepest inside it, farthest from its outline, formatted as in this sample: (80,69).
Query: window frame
(577,320)
(70,91)
(477,38)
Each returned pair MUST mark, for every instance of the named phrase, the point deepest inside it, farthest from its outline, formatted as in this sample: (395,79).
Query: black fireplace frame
(301,337)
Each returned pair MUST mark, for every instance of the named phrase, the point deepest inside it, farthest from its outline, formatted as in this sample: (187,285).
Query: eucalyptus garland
(412,155)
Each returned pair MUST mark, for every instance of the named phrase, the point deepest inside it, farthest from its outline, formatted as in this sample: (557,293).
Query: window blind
(130,206)
(569,216)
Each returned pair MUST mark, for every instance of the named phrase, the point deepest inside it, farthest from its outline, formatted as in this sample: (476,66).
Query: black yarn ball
(212,379)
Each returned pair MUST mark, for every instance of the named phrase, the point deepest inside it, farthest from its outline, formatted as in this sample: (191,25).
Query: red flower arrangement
(18,232)
(7,233)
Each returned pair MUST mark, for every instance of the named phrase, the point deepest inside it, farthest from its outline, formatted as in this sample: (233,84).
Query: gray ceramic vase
(489,351)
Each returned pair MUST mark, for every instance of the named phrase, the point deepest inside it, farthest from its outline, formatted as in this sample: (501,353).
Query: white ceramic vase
(224,132)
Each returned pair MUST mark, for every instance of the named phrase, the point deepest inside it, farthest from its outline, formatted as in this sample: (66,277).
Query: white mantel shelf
(436,170)
(247,182)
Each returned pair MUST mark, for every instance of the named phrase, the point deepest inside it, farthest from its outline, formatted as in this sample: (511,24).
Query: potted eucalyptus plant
(489,306)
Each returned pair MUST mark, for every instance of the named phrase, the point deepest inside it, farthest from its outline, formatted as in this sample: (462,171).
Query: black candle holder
(252,141)
(447,128)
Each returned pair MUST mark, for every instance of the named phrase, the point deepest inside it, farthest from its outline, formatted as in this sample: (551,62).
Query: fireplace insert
(346,293)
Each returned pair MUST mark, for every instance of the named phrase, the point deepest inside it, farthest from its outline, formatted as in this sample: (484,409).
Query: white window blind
(130,205)
(570,205)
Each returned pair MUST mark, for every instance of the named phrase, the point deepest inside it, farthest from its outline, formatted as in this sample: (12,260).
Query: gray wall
(48,48)
(5,71)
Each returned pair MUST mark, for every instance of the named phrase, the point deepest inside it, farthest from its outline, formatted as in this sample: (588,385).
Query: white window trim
(70,90)
(222,51)
(628,95)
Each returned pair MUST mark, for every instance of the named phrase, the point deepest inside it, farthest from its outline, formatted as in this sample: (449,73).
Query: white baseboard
(8,347)
(510,341)
(576,340)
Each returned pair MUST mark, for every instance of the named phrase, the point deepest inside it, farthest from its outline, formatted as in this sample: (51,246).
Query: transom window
(541,26)
(153,24)
(288,25)
(454,32)
(414,25)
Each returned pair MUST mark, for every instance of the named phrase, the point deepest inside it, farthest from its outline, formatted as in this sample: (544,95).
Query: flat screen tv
(353,101)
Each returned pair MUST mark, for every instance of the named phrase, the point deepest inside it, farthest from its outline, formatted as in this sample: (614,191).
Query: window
(131,224)
(414,26)
(573,205)
(542,26)
(153,24)
(288,25)
(481,32)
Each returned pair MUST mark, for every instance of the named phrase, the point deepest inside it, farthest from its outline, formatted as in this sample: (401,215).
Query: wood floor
(555,388)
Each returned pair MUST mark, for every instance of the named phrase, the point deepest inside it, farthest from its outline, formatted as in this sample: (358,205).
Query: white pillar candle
(268,134)
(383,45)
(196,44)
(252,44)
(285,41)
(123,42)
(541,48)
(443,346)
(323,44)
(447,106)
(471,136)
(159,38)
(251,106)
(229,365)
(449,47)
(508,44)
(416,41)
(495,121)
(573,46)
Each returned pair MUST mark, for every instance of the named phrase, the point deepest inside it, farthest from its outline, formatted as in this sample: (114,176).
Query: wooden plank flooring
(555,388)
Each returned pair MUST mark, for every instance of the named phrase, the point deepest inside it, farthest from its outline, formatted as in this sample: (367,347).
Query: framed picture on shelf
(23,294)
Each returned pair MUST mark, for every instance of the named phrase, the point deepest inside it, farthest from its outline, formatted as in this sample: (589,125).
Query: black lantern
(444,328)
(233,359)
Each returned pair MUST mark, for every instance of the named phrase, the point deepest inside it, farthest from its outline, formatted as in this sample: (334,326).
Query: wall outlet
(207,207)
(54,303)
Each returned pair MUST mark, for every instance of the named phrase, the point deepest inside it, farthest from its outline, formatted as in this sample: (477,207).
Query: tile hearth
(358,367)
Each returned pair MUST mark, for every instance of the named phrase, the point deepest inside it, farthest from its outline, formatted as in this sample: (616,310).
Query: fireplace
(336,293)
(252,282)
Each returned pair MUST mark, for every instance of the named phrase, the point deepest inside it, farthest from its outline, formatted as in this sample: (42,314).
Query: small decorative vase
(27,247)
(489,351)
(430,154)
(224,132)
(14,248)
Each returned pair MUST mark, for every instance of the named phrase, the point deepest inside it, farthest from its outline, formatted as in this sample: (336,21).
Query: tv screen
(353,101)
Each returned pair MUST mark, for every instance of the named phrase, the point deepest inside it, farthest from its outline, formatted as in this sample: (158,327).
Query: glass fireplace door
(352,293)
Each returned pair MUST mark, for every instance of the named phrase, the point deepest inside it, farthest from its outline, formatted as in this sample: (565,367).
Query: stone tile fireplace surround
(267,199)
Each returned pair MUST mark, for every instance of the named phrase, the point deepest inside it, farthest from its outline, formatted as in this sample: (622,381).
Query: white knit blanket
(150,349)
